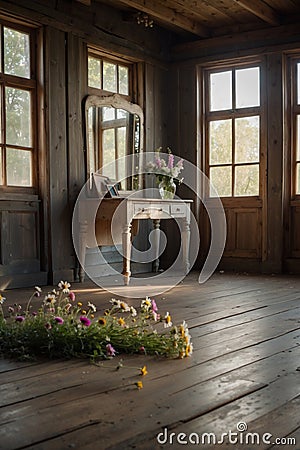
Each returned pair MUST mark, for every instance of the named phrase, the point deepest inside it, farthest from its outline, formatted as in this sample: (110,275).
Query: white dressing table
(116,220)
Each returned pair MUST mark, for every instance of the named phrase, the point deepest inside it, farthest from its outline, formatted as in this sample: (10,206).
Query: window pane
(298,139)
(221,179)
(18,167)
(109,77)
(121,133)
(298,178)
(247,87)
(220,91)
(220,142)
(16,53)
(123,80)
(246,180)
(247,139)
(108,154)
(94,72)
(18,117)
(298,83)
(108,113)
(1,168)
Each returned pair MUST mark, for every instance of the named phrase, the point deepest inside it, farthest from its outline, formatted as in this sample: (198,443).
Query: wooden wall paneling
(20,244)
(60,211)
(273,262)
(295,231)
(76,91)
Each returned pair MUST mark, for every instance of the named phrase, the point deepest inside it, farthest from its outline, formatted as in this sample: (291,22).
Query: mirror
(114,129)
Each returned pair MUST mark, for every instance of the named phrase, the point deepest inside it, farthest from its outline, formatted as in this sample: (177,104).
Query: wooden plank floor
(245,370)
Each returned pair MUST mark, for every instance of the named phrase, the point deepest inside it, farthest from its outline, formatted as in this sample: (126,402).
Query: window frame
(295,112)
(232,114)
(26,84)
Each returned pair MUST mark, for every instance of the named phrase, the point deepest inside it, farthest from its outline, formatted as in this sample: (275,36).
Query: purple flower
(154,306)
(171,161)
(110,351)
(59,320)
(85,321)
(20,318)
(158,163)
(72,296)
(48,326)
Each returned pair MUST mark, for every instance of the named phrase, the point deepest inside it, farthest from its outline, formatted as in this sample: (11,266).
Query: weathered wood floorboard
(245,368)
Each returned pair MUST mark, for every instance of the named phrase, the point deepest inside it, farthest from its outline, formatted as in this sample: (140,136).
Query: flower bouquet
(166,172)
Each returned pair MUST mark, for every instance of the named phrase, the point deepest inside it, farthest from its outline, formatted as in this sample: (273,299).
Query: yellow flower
(121,322)
(79,304)
(83,311)
(143,370)
(168,320)
(189,349)
(92,316)
(139,385)
(102,321)
(124,306)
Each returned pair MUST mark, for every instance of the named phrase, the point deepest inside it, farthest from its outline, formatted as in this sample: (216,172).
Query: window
(233,124)
(108,75)
(17,94)
(296,127)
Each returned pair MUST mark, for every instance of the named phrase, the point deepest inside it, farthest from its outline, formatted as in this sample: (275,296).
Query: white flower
(168,320)
(64,285)
(146,304)
(2,299)
(133,311)
(92,307)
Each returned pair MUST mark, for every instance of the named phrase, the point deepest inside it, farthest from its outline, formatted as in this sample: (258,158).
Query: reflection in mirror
(114,130)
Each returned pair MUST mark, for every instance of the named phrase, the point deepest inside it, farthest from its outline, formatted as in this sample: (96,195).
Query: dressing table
(116,220)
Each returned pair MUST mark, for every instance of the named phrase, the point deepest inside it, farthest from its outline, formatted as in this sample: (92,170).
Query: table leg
(82,249)
(156,225)
(185,236)
(126,246)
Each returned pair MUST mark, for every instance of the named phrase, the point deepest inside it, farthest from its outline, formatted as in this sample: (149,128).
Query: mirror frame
(113,101)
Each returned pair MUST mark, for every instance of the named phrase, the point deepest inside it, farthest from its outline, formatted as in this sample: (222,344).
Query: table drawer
(178,210)
(152,209)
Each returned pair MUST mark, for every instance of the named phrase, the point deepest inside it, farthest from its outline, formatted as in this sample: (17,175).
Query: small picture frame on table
(112,191)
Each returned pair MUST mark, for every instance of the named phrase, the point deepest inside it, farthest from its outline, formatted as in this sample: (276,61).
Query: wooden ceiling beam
(166,14)
(261,10)
(85,2)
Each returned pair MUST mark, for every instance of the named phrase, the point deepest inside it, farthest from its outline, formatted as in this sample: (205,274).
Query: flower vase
(167,188)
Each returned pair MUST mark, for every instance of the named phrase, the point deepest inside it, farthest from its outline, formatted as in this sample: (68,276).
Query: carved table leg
(185,235)
(126,245)
(82,249)
(156,225)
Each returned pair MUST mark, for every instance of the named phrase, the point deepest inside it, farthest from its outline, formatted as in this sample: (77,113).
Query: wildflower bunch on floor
(62,327)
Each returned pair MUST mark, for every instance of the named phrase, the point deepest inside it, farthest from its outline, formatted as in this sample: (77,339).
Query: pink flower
(110,351)
(85,321)
(154,306)
(171,161)
(72,296)
(59,320)
(158,163)
(20,318)
(48,326)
